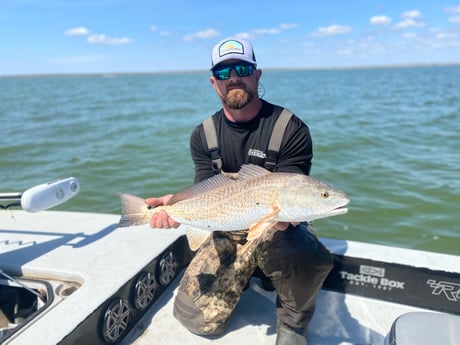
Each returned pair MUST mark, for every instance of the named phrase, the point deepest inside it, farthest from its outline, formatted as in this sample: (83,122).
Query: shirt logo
(257,153)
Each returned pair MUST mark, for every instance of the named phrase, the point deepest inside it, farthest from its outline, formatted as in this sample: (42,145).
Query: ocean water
(388,137)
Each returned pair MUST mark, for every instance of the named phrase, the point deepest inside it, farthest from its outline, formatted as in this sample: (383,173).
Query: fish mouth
(337,211)
(340,209)
(334,212)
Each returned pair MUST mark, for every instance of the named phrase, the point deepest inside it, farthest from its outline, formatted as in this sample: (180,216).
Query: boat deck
(339,319)
(124,281)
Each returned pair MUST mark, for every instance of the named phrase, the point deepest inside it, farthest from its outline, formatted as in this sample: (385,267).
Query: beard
(238,98)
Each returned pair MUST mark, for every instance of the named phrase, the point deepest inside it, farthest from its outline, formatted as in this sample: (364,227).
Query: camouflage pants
(295,261)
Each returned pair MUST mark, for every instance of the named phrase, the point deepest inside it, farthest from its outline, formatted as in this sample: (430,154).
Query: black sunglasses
(242,69)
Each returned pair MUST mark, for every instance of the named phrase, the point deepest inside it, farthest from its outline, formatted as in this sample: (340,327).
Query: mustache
(236,84)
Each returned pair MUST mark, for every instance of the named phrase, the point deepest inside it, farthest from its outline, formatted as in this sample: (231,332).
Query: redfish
(253,199)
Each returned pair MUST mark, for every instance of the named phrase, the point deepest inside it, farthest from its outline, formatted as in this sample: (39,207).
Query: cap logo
(231,47)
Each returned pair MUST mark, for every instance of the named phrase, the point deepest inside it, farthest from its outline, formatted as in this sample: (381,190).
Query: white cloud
(380,20)
(412,14)
(446,35)
(408,23)
(244,35)
(453,10)
(288,26)
(411,19)
(272,31)
(332,30)
(208,33)
(456,12)
(153,28)
(404,24)
(103,39)
(80,31)
(252,34)
(455,19)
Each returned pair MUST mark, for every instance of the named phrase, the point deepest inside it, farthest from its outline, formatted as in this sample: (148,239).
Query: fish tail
(134,211)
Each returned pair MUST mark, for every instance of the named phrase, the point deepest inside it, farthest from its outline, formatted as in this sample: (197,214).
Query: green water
(387,137)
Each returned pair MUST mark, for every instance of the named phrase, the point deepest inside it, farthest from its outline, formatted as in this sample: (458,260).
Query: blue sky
(103,36)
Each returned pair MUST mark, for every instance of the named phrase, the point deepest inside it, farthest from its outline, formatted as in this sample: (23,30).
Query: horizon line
(111,74)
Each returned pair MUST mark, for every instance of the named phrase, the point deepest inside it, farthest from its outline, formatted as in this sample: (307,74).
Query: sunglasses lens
(243,70)
(223,74)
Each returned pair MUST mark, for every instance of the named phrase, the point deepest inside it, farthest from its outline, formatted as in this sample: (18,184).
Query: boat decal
(450,290)
(393,282)
(374,276)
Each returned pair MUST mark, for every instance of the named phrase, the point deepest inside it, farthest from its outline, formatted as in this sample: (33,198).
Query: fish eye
(325,194)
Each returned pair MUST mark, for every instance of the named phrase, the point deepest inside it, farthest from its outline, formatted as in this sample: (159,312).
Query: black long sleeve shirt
(247,142)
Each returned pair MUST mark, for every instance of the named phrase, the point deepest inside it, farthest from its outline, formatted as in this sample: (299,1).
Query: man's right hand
(161,220)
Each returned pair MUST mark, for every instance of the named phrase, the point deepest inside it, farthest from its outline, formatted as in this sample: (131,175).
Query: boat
(77,278)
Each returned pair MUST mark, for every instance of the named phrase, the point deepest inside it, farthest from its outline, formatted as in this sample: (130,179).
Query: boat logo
(450,290)
(372,271)
(373,276)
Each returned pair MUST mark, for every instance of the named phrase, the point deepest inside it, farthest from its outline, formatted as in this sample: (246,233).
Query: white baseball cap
(232,48)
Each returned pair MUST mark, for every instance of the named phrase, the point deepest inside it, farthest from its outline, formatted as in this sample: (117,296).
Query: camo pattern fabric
(219,272)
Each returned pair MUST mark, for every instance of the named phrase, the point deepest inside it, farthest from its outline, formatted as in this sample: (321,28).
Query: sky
(123,36)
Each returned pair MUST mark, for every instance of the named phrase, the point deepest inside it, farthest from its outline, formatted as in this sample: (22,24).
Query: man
(292,257)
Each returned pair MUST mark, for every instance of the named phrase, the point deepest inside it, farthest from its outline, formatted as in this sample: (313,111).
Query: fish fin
(196,237)
(249,171)
(201,187)
(265,223)
(134,211)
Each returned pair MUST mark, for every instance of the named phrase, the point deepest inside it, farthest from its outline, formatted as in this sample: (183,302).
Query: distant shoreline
(113,74)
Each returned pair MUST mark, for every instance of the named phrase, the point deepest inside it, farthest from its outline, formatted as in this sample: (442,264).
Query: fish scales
(231,207)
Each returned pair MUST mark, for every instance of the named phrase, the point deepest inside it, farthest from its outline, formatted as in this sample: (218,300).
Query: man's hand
(282,226)
(161,220)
